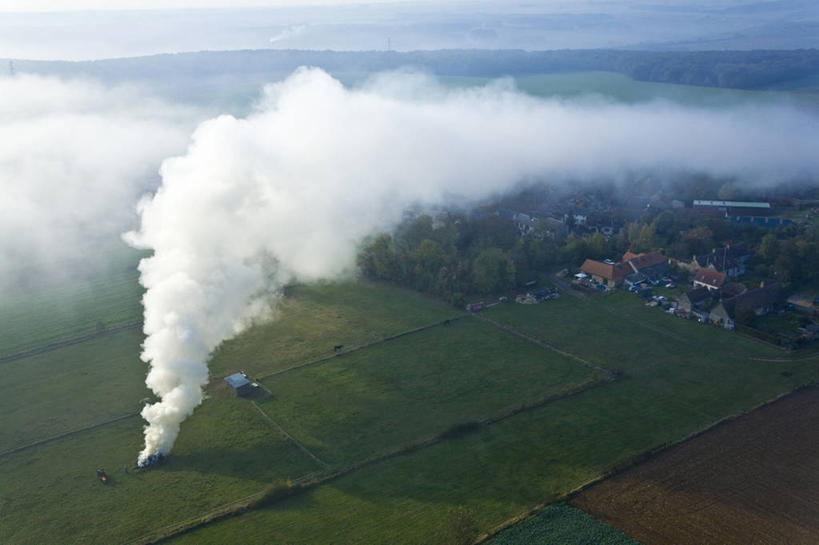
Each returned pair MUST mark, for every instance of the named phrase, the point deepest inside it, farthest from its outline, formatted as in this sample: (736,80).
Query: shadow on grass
(258,463)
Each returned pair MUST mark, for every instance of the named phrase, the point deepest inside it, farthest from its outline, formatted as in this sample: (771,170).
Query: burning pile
(149,461)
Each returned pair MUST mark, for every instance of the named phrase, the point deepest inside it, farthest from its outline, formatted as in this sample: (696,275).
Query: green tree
(663,224)
(768,248)
(492,271)
(596,246)
(787,265)
(377,260)
(428,258)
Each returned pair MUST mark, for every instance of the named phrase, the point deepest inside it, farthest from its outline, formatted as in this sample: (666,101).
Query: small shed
(240,384)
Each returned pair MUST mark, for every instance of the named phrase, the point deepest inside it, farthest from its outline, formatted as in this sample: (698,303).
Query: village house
(761,301)
(634,267)
(610,275)
(693,299)
(710,278)
(730,260)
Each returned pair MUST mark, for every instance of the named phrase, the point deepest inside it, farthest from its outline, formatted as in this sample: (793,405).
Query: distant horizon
(58,6)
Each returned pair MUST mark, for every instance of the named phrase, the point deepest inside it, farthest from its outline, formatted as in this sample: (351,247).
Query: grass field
(677,377)
(562,524)
(361,404)
(50,494)
(311,320)
(752,480)
(71,388)
(54,312)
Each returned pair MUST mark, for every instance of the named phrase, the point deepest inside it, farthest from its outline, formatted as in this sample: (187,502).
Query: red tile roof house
(613,275)
(603,273)
(710,278)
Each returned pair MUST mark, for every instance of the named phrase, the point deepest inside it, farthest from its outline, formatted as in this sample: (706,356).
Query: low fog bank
(289,191)
(75,157)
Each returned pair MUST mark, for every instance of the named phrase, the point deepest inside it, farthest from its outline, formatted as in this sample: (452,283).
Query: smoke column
(290,190)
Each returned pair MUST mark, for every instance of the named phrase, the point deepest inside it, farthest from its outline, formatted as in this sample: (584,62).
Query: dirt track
(754,480)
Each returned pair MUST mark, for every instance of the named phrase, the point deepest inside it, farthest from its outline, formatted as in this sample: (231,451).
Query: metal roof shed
(239,383)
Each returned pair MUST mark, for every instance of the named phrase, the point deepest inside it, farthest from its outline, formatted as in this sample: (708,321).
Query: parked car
(670,285)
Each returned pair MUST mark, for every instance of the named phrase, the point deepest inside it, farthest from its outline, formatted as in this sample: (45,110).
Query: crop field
(751,480)
(675,378)
(562,524)
(412,388)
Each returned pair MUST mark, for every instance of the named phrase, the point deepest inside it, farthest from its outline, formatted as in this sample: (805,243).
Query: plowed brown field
(754,480)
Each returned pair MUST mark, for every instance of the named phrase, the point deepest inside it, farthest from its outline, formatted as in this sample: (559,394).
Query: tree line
(458,255)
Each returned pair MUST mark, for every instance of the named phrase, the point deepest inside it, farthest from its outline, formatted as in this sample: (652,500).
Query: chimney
(762,284)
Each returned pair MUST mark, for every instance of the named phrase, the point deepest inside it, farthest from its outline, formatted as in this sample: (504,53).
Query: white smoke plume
(289,191)
(74,157)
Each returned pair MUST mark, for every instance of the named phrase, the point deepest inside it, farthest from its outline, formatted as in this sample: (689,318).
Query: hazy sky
(79,5)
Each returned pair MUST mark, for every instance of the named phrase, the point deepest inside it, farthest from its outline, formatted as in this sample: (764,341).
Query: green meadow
(59,312)
(676,377)
(359,405)
(383,392)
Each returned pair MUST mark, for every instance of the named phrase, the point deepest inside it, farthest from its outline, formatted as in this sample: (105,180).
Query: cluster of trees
(461,255)
(458,256)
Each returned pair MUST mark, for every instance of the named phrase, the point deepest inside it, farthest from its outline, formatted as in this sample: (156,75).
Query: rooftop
(237,380)
(734,204)
(710,277)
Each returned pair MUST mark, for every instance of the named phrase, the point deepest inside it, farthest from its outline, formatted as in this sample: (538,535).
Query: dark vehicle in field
(102,476)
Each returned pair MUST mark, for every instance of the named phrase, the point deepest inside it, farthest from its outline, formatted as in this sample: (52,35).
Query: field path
(323,464)
(546,345)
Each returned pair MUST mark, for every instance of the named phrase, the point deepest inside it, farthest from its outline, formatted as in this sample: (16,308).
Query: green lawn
(312,319)
(71,388)
(564,525)
(412,388)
